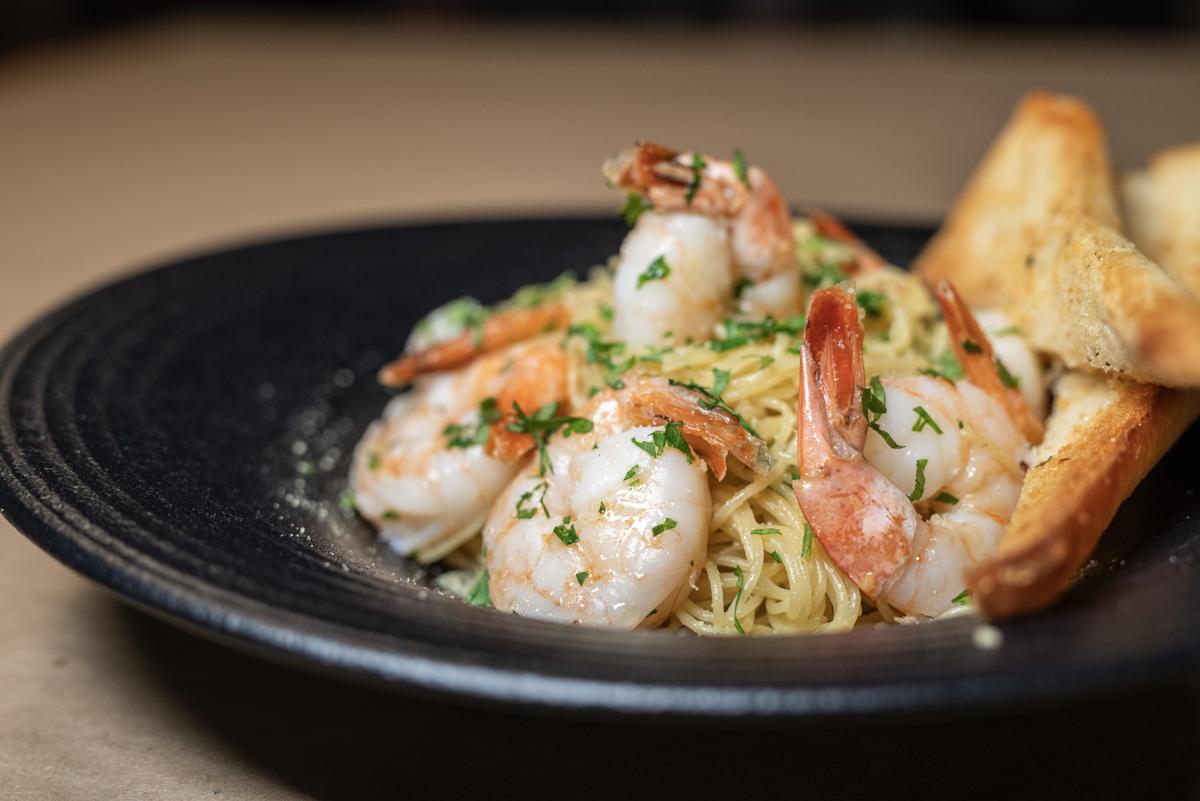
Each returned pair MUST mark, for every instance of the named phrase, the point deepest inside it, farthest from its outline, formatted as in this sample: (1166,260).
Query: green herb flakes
(766,532)
(541,424)
(666,525)
(739,167)
(947,367)
(480,594)
(698,165)
(635,204)
(919,481)
(738,333)
(775,555)
(657,271)
(945,497)
(1008,379)
(962,599)
(527,508)
(806,548)
(924,420)
(581,577)
(737,601)
(873,303)
(566,532)
(874,406)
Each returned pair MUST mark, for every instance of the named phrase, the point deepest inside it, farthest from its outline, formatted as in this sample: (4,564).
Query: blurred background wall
(30,21)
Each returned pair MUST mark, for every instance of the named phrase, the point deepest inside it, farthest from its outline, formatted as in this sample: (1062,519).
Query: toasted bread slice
(1037,233)
(1162,212)
(1102,437)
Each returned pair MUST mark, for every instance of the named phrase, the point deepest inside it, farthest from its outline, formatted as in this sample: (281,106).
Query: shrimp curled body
(906,520)
(611,534)
(425,494)
(713,223)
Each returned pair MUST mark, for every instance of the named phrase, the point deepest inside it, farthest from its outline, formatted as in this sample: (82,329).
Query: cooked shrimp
(423,473)
(613,534)
(496,332)
(954,450)
(831,227)
(712,222)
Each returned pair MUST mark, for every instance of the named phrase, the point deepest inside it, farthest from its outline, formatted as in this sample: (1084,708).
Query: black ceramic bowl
(182,437)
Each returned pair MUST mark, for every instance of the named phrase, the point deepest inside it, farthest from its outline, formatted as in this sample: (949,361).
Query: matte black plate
(182,437)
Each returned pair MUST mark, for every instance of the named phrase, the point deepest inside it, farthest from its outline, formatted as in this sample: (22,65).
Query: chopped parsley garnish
(1006,378)
(736,333)
(635,204)
(527,508)
(720,381)
(826,275)
(1007,331)
(871,302)
(534,295)
(606,311)
(669,437)
(923,420)
(874,406)
(919,482)
(566,532)
(739,167)
(806,549)
(971,347)
(657,271)
(603,353)
(945,497)
(712,397)
(741,286)
(480,594)
(464,436)
(765,361)
(737,601)
(390,514)
(631,476)
(374,461)
(346,502)
(655,355)
(775,555)
(603,508)
(947,367)
(766,532)
(698,165)
(581,577)
(666,525)
(962,599)
(541,424)
(453,318)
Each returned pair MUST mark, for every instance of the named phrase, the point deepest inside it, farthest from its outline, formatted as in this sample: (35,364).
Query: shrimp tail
(863,521)
(498,331)
(831,227)
(676,180)
(713,433)
(974,352)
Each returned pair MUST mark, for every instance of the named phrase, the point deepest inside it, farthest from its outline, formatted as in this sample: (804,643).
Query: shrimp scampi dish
(745,423)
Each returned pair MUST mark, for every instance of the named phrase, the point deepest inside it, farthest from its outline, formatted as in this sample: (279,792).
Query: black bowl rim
(360,656)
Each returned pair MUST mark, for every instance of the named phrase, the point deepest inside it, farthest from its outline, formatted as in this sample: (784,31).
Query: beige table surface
(123,150)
